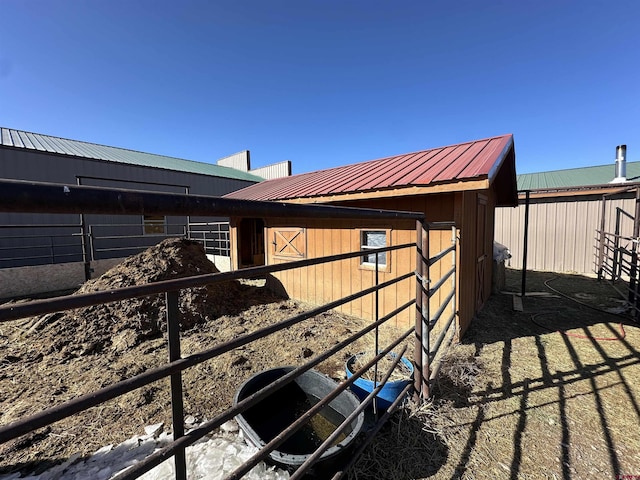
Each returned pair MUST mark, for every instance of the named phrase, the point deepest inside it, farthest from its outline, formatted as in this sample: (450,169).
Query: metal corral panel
(63,146)
(562,231)
(474,160)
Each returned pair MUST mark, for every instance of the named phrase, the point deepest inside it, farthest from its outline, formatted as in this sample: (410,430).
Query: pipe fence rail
(43,198)
(65,243)
(427,357)
(619,264)
(616,257)
(25,245)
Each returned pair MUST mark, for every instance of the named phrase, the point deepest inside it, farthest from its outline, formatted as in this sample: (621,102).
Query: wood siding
(324,283)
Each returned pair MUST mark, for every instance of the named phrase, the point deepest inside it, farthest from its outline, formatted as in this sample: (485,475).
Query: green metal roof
(63,146)
(576,177)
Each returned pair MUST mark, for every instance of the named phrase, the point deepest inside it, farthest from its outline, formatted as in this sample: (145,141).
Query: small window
(154,225)
(370,239)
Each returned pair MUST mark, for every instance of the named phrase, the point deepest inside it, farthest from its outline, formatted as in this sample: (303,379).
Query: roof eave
(480,183)
(602,189)
(493,171)
(503,171)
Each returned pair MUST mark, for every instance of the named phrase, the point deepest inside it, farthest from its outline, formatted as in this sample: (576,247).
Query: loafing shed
(459,183)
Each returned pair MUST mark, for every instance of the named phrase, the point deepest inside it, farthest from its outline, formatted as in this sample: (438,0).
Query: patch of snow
(210,458)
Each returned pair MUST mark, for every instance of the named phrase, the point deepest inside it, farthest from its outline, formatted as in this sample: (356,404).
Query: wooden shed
(459,183)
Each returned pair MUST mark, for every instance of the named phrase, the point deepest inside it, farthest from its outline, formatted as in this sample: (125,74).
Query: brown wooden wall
(475,240)
(296,238)
(321,284)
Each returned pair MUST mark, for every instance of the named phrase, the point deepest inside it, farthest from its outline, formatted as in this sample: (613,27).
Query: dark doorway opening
(251,242)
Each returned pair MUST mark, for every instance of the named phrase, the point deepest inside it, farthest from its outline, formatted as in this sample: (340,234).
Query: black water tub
(265,420)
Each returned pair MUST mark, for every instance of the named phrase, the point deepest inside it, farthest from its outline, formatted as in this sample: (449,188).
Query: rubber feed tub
(265,420)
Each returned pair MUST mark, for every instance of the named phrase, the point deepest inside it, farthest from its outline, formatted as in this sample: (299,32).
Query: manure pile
(122,325)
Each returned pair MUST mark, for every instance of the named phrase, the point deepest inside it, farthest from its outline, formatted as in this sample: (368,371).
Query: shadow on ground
(549,392)
(560,386)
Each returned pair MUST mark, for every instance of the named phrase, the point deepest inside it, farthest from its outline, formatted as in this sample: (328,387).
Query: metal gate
(53,198)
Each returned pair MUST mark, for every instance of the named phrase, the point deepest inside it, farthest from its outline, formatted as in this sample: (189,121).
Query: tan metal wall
(239,161)
(275,170)
(242,161)
(562,231)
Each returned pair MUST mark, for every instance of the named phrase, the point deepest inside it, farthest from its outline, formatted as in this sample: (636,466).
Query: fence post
(616,249)
(85,243)
(426,313)
(602,238)
(634,283)
(52,248)
(421,358)
(454,277)
(177,409)
(377,339)
(525,242)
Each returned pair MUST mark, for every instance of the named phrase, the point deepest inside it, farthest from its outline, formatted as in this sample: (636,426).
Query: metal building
(72,242)
(567,215)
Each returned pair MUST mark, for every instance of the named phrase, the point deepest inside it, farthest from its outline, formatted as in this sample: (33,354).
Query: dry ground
(516,399)
(521,401)
(51,359)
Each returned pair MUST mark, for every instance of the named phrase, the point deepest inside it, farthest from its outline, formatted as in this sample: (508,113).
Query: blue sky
(326,83)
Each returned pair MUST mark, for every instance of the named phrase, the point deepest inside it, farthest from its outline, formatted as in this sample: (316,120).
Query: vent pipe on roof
(621,164)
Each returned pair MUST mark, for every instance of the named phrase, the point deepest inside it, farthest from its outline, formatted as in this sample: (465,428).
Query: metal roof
(76,148)
(576,177)
(475,160)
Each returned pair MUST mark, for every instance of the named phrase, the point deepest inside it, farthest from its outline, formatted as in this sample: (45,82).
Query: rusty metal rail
(40,197)
(47,198)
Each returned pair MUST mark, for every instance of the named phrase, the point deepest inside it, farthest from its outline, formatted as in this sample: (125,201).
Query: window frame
(365,265)
(154,225)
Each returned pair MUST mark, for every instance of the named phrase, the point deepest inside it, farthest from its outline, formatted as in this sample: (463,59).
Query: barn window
(370,239)
(154,224)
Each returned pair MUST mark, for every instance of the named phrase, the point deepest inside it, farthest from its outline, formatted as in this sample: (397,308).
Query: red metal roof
(475,160)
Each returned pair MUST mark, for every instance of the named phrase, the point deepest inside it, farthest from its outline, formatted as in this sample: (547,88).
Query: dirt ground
(47,360)
(517,399)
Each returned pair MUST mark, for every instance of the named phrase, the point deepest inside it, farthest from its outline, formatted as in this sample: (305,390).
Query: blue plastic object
(387,395)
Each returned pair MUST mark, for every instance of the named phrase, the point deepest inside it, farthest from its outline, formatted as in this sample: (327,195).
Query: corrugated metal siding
(467,161)
(273,171)
(46,167)
(63,146)
(562,232)
(239,161)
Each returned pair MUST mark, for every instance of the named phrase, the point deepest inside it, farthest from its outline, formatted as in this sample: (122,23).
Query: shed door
(481,254)
(290,243)
(251,242)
